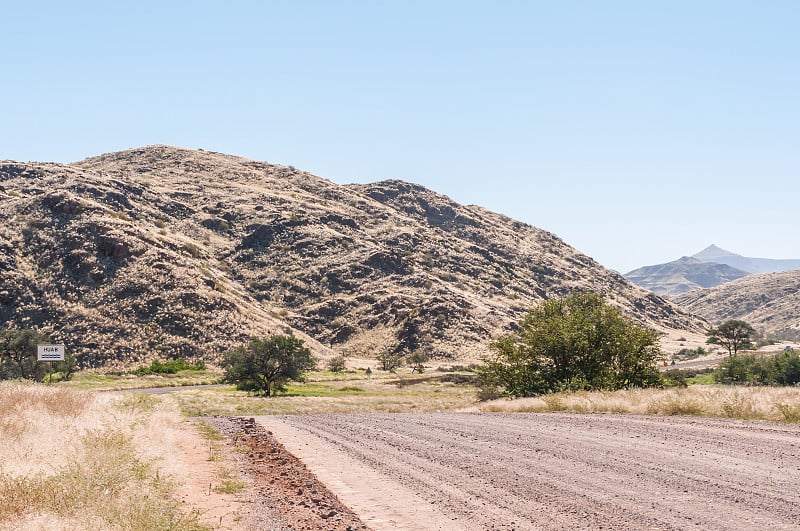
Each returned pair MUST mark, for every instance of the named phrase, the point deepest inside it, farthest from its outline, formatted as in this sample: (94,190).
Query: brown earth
(286,494)
(554,471)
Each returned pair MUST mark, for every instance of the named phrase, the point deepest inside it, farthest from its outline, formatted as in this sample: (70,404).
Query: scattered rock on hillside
(161,251)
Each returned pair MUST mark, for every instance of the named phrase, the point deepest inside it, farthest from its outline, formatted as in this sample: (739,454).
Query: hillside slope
(768,301)
(682,275)
(167,251)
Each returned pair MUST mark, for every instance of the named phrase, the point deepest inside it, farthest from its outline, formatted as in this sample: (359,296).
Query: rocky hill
(682,275)
(162,251)
(768,301)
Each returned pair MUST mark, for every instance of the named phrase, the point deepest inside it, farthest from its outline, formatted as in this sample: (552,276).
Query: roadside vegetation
(779,369)
(777,404)
(78,460)
(576,343)
(349,392)
(18,357)
(265,365)
(107,380)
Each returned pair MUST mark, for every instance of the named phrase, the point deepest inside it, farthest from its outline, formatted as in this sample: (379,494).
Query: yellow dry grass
(779,404)
(78,460)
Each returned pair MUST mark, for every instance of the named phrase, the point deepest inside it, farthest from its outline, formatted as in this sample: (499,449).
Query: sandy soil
(197,490)
(553,471)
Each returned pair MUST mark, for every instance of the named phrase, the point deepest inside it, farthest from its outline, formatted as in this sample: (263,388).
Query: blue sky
(637,131)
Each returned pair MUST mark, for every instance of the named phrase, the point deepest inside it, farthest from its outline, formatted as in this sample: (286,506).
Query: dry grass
(75,460)
(779,404)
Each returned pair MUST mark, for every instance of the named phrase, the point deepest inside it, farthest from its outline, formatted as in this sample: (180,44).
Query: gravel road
(561,471)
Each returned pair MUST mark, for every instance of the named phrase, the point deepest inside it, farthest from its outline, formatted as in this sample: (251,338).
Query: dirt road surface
(552,471)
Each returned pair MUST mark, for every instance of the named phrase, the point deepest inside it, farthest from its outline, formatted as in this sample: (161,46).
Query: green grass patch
(169,367)
(701,379)
(318,390)
(208,432)
(109,381)
(329,397)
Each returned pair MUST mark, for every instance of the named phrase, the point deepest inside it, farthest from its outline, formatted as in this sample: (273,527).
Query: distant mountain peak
(710,267)
(711,252)
(684,274)
(715,254)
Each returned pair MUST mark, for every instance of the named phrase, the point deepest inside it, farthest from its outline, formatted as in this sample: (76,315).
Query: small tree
(390,361)
(417,361)
(266,364)
(579,342)
(337,363)
(734,335)
(18,358)
(67,367)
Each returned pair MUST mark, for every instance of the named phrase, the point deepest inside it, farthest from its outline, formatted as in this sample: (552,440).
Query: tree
(579,342)
(781,369)
(417,361)
(337,363)
(18,357)
(390,361)
(266,364)
(734,335)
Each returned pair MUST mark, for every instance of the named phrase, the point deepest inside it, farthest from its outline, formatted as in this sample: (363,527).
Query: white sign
(50,352)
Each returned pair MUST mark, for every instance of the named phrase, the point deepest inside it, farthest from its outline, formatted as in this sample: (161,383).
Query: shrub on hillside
(689,353)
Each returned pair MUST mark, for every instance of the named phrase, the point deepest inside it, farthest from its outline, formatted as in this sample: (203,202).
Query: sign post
(50,353)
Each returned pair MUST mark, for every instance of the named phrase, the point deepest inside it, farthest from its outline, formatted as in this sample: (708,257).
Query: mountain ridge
(712,253)
(682,275)
(174,252)
(708,268)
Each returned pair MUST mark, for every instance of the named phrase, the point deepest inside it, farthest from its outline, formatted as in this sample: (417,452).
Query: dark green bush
(337,364)
(781,369)
(459,378)
(787,367)
(169,367)
(689,354)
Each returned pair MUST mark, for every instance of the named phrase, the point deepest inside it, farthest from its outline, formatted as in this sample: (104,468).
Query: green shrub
(689,354)
(459,378)
(169,367)
(781,369)
(786,365)
(576,343)
(337,364)
(18,356)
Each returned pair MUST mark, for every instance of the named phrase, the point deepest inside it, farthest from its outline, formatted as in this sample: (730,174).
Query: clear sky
(637,131)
